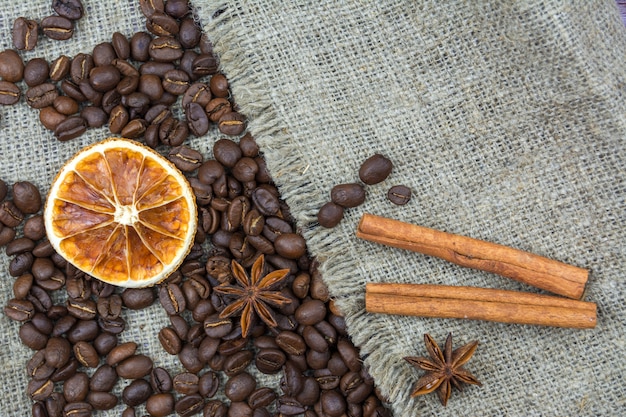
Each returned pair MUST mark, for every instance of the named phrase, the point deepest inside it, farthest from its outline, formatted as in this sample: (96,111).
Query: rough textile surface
(507,121)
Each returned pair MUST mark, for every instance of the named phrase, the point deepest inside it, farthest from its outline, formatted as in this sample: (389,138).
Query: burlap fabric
(505,118)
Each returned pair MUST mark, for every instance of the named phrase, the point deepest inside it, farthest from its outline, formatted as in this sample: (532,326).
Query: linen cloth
(506,119)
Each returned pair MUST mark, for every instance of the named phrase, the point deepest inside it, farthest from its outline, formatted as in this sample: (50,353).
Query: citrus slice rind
(121,213)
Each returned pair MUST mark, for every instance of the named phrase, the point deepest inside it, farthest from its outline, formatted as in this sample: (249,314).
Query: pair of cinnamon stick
(478,303)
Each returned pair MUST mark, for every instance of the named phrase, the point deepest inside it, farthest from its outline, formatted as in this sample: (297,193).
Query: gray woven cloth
(505,119)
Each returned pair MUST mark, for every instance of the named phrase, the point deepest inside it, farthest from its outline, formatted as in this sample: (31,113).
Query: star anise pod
(254,294)
(445,369)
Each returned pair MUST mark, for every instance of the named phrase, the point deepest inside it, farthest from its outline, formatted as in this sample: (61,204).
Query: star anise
(444,368)
(254,294)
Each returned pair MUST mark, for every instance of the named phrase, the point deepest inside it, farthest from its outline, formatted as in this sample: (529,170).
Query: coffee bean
(219,85)
(65,105)
(26,197)
(78,409)
(172,299)
(189,358)
(270,360)
(86,330)
(11,66)
(19,310)
(104,343)
(217,108)
(72,90)
(177,8)
(165,49)
(186,383)
(160,380)
(205,64)
(20,264)
(137,392)
(189,405)
(103,379)
(375,169)
(232,124)
(104,78)
(134,367)
(7,234)
(208,384)
(261,397)
(160,405)
(156,68)
(103,54)
(4,189)
(215,408)
(399,194)
(118,118)
(134,129)
(162,24)
(25,33)
(173,132)
(43,268)
(9,93)
(94,116)
(196,118)
(82,309)
(310,392)
(290,245)
(149,7)
(60,68)
(170,341)
(76,387)
(311,312)
(86,354)
(207,349)
(36,72)
(333,404)
(102,400)
(237,362)
(121,352)
(138,298)
(37,368)
(58,28)
(41,96)
(245,169)
(349,354)
(316,341)
(139,46)
(290,406)
(177,82)
(20,245)
(240,386)
(70,9)
(21,288)
(39,390)
(266,203)
(348,195)
(189,33)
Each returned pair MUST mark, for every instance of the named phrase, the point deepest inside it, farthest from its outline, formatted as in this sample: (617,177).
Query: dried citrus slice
(122,213)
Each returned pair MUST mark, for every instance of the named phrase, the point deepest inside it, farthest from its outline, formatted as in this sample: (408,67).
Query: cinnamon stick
(547,274)
(504,306)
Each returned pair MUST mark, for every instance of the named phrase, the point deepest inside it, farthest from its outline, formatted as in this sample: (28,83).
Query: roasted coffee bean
(26,197)
(232,124)
(9,93)
(138,298)
(70,9)
(266,203)
(216,108)
(115,326)
(156,68)
(121,352)
(137,102)
(134,367)
(58,28)
(310,392)
(158,113)
(165,49)
(237,362)
(39,409)
(216,327)
(103,379)
(161,24)
(104,78)
(11,66)
(134,129)
(70,128)
(21,288)
(186,383)
(196,118)
(102,400)
(375,169)
(65,372)
(104,343)
(189,33)
(177,82)
(76,387)
(160,380)
(314,339)
(128,85)
(73,90)
(348,195)
(205,64)
(94,116)
(86,354)
(207,349)
(65,105)
(20,245)
(7,234)
(173,132)
(333,403)
(34,229)
(36,72)
(118,119)
(185,158)
(41,96)
(399,194)
(170,341)
(160,404)
(349,354)
(270,360)
(208,384)
(290,406)
(43,269)
(104,54)
(188,357)
(219,85)
(25,33)
(211,170)
(290,245)
(137,392)
(189,405)
(177,8)
(240,386)
(54,404)
(78,409)
(253,223)
(82,309)
(291,342)
(261,397)
(40,389)
(19,310)
(86,330)
(311,312)
(20,264)
(121,45)
(180,326)
(215,408)
(149,7)
(60,68)
(125,68)
(172,299)
(139,46)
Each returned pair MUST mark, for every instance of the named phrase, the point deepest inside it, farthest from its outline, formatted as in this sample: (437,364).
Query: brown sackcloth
(506,119)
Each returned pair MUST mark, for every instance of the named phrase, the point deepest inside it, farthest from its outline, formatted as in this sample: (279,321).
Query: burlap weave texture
(507,121)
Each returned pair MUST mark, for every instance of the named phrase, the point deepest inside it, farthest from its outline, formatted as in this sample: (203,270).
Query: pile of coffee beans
(72,321)
(373,170)
(130,83)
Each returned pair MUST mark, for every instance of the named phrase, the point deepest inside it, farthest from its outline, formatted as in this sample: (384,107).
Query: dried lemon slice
(122,213)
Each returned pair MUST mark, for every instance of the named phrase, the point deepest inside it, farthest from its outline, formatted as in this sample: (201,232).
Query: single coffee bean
(207,349)
(172,299)
(348,195)
(399,194)
(215,408)
(189,33)
(333,403)
(20,245)
(58,28)
(165,49)
(121,45)
(219,85)
(102,400)
(60,68)
(208,384)
(291,342)
(173,132)
(310,392)
(138,298)
(177,8)
(270,360)
(20,264)
(11,66)
(118,118)
(349,354)
(41,96)
(189,358)
(217,107)
(36,72)
(65,105)
(162,24)
(76,387)
(25,33)
(290,245)
(54,404)
(104,343)
(240,386)
(266,203)
(19,310)
(205,64)
(156,68)
(232,124)
(160,405)
(139,46)
(43,269)
(197,93)
(7,234)
(103,379)
(73,90)
(82,309)
(137,392)
(26,197)
(186,383)
(134,129)
(196,118)
(237,362)
(9,93)
(103,54)
(86,330)
(189,405)
(375,169)
(245,169)
(315,340)
(311,312)
(39,390)
(21,288)
(134,367)
(261,397)
(290,406)
(121,352)
(78,409)
(170,341)
(149,7)
(70,9)
(177,82)
(94,116)
(104,78)
(160,380)
(86,354)
(185,158)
